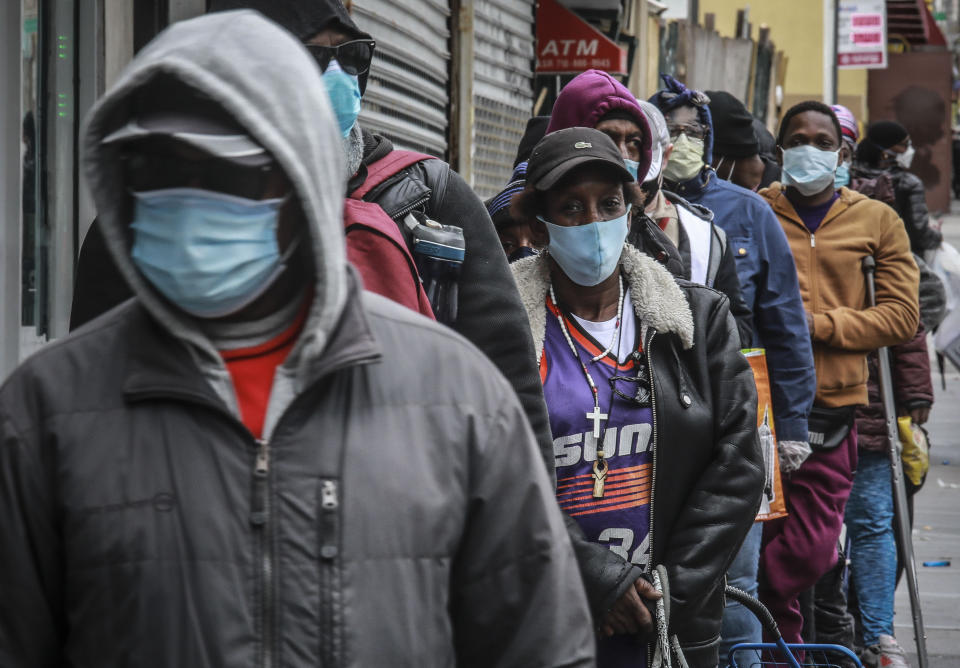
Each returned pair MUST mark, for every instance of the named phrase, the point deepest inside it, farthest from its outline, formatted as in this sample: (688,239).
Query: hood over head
(230,58)
(674,95)
(589,97)
(661,138)
(304,18)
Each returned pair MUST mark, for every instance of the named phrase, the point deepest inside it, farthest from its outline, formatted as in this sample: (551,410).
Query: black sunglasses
(354,56)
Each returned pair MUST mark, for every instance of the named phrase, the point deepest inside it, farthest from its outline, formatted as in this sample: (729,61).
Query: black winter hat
(303,18)
(536,128)
(886,133)
(880,136)
(732,126)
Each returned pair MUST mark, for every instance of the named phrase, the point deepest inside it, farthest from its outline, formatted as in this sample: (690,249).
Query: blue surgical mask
(632,166)
(842,177)
(344,92)
(209,253)
(588,254)
(809,169)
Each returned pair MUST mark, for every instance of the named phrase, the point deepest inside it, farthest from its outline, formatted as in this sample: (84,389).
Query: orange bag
(772,506)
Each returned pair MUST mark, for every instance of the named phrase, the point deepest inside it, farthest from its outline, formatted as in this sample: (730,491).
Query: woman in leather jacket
(652,407)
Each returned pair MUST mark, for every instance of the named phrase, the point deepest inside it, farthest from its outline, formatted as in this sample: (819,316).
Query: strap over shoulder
(385,167)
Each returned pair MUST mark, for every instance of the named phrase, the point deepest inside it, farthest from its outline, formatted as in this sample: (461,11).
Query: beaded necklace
(600,466)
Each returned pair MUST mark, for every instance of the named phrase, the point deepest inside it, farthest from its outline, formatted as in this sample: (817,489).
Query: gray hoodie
(398,515)
(255,65)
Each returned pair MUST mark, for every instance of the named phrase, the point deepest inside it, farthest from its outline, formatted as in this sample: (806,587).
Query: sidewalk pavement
(936,527)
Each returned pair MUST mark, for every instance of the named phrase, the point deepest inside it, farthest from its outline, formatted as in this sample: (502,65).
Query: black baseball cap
(561,151)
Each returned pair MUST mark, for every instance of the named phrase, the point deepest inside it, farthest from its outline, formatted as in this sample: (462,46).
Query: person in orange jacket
(830,231)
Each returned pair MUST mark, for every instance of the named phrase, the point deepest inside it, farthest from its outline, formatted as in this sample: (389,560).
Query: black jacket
(910,202)
(492,318)
(707,465)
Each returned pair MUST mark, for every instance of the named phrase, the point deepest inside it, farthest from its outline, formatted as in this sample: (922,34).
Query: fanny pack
(828,427)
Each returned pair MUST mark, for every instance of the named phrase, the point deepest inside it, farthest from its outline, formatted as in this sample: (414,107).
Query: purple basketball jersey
(621,519)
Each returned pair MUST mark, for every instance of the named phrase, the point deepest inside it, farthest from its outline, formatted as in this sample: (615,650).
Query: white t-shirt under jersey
(603,332)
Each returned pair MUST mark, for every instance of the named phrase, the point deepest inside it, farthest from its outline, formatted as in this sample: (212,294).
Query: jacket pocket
(331,618)
(742,248)
(840,369)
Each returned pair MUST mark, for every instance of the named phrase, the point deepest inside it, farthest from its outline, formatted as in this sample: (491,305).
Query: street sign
(862,34)
(566,44)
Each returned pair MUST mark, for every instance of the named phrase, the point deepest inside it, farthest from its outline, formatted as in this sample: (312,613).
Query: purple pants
(798,549)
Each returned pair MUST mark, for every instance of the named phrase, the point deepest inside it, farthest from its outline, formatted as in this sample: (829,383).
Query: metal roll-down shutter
(502,88)
(407,91)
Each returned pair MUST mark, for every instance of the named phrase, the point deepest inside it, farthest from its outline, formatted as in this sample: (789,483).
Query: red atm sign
(566,44)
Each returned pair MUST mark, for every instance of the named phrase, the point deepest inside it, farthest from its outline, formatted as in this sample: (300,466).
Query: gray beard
(353,148)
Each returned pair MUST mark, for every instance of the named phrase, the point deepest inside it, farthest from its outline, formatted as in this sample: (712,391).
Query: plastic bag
(915,454)
(946,265)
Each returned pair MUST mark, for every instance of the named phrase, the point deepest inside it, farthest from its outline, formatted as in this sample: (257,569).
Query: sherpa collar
(657,299)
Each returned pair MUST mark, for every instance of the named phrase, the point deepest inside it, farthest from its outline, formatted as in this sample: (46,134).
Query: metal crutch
(869,265)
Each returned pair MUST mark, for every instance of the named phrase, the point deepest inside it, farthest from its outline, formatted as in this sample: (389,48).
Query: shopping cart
(779,653)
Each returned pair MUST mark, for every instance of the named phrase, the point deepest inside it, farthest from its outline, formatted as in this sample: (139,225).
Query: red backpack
(375,245)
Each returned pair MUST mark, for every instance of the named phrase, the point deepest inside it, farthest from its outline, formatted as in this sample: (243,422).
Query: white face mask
(906,158)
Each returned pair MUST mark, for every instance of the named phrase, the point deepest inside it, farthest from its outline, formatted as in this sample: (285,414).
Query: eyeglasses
(638,386)
(354,56)
(693,130)
(157,171)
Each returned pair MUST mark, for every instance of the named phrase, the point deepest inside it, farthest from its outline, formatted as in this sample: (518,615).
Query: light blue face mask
(842,177)
(209,253)
(632,166)
(588,254)
(809,169)
(344,92)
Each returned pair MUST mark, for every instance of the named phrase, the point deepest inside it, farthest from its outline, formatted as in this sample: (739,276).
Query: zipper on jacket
(260,519)
(814,284)
(653,465)
(399,215)
(329,575)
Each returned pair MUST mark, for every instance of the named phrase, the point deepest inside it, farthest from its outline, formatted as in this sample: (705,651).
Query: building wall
(797,29)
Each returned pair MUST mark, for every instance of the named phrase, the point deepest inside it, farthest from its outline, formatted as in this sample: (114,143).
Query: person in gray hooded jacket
(230,470)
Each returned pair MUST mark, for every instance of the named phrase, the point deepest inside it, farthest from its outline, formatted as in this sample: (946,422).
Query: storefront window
(49,130)
(32,322)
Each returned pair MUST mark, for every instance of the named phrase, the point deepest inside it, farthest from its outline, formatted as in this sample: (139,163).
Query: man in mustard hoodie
(830,231)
